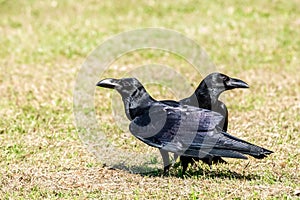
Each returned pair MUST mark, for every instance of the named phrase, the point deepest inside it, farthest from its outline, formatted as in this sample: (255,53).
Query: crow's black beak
(237,83)
(108,83)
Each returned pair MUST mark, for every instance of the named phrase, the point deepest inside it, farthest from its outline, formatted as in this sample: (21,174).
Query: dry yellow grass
(43,45)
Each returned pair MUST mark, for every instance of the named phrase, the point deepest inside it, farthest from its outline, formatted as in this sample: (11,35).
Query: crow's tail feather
(245,147)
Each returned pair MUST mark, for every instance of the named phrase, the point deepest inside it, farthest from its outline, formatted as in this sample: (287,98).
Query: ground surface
(44,43)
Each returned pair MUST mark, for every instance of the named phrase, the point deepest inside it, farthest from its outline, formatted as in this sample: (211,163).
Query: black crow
(180,129)
(207,96)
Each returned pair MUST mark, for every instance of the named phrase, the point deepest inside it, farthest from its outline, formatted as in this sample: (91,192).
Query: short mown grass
(43,45)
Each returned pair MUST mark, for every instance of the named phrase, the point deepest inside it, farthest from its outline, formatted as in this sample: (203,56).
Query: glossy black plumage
(207,96)
(180,129)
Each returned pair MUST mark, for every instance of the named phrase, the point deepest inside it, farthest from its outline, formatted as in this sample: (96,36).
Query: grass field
(43,45)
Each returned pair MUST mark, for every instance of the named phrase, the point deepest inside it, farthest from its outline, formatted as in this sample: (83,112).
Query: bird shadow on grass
(221,174)
(143,170)
(209,174)
(205,172)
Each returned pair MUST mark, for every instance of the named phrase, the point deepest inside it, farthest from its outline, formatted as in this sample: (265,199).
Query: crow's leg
(166,160)
(175,157)
(210,159)
(185,160)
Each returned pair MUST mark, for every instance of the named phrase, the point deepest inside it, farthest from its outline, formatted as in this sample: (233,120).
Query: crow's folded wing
(173,128)
(190,131)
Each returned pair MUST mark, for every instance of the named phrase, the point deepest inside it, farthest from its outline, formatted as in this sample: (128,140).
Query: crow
(181,129)
(207,96)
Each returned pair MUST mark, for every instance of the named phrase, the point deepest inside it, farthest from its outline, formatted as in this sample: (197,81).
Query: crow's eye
(225,78)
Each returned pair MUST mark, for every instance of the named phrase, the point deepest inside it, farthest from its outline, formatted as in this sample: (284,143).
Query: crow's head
(134,95)
(221,82)
(125,86)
